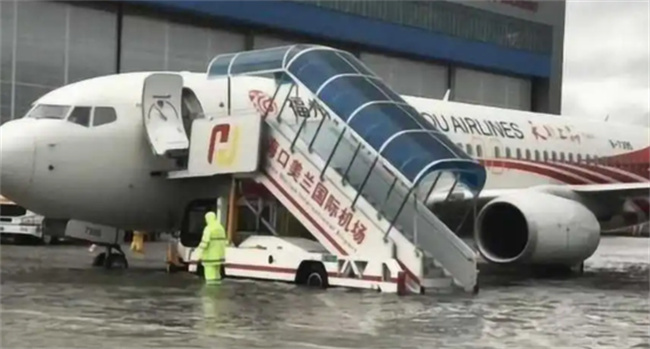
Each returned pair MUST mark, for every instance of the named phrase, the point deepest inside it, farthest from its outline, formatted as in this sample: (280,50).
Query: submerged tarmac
(51,297)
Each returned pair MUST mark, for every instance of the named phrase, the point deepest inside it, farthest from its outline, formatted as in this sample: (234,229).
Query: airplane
(83,152)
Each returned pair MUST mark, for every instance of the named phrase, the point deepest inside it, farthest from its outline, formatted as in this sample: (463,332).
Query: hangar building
(503,53)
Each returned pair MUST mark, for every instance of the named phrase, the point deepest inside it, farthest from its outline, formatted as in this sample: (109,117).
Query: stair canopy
(360,99)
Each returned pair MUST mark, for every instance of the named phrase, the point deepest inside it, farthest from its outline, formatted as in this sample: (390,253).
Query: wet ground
(51,297)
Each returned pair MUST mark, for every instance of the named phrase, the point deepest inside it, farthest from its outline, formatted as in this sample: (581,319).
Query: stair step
(434,273)
(437,283)
(432,263)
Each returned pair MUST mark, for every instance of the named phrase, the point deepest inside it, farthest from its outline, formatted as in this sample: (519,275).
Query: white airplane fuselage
(108,174)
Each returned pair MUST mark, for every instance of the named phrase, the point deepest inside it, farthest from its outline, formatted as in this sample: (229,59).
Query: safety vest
(213,242)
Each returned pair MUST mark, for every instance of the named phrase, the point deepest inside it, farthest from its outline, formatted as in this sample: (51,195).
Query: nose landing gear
(113,258)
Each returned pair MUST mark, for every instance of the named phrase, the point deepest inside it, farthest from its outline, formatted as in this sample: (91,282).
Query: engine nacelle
(536,228)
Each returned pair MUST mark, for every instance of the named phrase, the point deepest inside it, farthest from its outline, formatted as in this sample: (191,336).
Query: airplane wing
(596,191)
(614,190)
(612,194)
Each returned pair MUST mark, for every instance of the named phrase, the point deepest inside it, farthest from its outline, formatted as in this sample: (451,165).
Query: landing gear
(114,257)
(48,239)
(580,269)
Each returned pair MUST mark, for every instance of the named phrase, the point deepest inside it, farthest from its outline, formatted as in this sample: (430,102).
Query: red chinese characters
(358,229)
(307,182)
(332,206)
(318,192)
(273,148)
(358,232)
(295,169)
(283,158)
(345,217)
(536,132)
(546,132)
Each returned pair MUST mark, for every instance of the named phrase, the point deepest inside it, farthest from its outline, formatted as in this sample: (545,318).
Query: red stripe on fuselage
(579,170)
(534,168)
(583,172)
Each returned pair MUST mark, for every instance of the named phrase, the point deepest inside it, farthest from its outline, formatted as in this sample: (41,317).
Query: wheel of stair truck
(312,274)
(116,261)
(99,259)
(316,279)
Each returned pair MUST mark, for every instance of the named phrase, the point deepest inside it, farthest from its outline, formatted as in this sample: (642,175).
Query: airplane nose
(16,159)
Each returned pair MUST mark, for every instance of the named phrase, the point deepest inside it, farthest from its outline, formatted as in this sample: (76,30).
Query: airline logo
(224,145)
(263,103)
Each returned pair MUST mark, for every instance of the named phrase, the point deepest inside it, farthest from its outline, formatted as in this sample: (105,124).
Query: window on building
(92,42)
(264,41)
(103,116)
(55,44)
(478,87)
(409,77)
(151,43)
(81,116)
(444,17)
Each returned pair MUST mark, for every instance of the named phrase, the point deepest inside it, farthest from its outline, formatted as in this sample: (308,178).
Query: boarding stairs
(352,160)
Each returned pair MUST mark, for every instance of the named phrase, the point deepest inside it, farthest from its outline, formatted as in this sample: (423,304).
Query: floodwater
(51,297)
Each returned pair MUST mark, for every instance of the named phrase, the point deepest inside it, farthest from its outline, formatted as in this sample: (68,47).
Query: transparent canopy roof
(359,98)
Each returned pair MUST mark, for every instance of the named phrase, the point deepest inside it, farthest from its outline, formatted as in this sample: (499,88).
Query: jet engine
(536,228)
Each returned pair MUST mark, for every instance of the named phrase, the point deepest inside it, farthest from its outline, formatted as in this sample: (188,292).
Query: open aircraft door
(161,108)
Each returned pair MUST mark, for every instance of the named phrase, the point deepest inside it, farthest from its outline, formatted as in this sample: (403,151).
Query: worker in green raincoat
(213,246)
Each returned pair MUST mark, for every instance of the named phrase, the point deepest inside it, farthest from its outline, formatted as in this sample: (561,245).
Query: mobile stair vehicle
(344,154)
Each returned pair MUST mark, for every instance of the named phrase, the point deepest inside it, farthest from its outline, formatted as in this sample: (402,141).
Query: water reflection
(49,298)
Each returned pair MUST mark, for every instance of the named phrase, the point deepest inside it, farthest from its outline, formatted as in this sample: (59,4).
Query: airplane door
(161,107)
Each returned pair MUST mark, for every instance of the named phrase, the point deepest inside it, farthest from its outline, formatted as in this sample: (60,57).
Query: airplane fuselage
(107,174)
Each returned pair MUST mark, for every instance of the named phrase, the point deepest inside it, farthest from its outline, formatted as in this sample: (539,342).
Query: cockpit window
(104,115)
(47,111)
(81,116)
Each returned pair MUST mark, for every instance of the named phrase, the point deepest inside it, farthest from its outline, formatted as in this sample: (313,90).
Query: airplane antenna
(607,118)
(446,97)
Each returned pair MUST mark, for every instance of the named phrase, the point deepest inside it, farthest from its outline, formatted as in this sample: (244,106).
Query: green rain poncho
(213,243)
